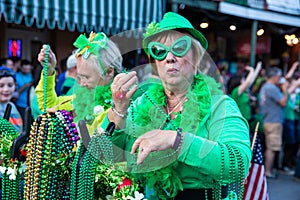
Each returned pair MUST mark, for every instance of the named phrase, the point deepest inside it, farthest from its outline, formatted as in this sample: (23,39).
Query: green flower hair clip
(91,45)
(152,28)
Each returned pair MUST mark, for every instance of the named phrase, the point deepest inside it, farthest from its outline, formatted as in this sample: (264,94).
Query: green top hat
(172,21)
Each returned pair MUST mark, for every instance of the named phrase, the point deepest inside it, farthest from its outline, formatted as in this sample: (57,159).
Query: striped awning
(110,16)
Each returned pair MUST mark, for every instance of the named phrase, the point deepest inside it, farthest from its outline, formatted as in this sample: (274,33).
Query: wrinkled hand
(155,140)
(122,88)
(51,59)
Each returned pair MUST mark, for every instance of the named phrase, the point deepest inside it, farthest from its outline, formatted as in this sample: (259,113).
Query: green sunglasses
(179,48)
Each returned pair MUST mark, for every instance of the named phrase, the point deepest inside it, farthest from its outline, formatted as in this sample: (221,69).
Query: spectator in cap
(71,75)
(272,101)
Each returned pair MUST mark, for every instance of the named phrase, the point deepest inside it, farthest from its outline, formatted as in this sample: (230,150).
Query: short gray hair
(111,56)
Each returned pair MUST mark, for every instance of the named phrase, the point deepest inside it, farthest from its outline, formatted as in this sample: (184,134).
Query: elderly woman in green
(98,60)
(183,138)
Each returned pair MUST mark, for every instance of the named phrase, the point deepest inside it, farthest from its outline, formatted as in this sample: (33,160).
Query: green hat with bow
(172,21)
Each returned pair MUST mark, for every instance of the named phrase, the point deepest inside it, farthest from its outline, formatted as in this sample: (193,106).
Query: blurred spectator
(71,75)
(61,77)
(272,101)
(24,82)
(7,62)
(238,89)
(289,129)
(7,88)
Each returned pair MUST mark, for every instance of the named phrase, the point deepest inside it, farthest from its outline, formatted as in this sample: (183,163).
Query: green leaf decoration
(151,29)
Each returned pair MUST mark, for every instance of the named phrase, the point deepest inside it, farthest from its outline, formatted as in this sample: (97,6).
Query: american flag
(256,183)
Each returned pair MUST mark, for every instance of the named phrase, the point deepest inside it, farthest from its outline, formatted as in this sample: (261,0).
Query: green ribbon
(91,45)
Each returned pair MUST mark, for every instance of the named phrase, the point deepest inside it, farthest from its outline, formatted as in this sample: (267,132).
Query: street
(283,188)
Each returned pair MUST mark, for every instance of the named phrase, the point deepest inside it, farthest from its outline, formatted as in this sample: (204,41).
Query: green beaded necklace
(45,73)
(95,177)
(11,189)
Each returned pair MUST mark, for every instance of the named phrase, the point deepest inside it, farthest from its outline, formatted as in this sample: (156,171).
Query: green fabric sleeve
(52,99)
(203,156)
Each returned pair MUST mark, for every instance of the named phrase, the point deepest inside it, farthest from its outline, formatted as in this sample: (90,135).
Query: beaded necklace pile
(11,188)
(50,152)
(51,148)
(95,176)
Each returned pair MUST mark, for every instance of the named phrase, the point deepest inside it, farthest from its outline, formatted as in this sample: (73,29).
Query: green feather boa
(165,182)
(101,95)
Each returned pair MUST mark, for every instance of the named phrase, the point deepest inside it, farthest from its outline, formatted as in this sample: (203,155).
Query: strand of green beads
(81,186)
(46,154)
(74,172)
(162,111)
(29,148)
(85,177)
(218,184)
(62,150)
(45,73)
(4,185)
(7,187)
(42,181)
(39,158)
(30,160)
(89,165)
(36,157)
(50,168)
(11,187)
(14,188)
(18,186)
(105,146)
(48,159)
(241,166)
(54,155)
(232,173)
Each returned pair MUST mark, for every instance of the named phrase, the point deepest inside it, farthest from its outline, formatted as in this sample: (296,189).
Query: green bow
(93,44)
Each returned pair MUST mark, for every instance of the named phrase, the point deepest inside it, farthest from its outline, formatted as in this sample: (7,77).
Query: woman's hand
(155,140)
(51,59)
(122,88)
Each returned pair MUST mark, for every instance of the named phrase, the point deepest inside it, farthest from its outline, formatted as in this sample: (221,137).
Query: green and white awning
(110,16)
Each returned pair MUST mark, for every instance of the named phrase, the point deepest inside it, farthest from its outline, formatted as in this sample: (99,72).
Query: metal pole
(298,56)
(253,43)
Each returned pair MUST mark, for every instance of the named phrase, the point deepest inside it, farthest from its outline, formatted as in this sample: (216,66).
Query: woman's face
(7,88)
(175,71)
(87,75)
